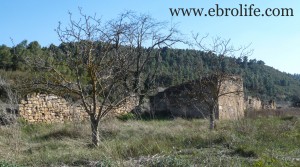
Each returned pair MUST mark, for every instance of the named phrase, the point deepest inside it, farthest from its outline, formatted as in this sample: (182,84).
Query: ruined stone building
(195,99)
(269,105)
(254,103)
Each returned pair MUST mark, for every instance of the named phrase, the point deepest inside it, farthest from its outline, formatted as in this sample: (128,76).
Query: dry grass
(283,112)
(263,141)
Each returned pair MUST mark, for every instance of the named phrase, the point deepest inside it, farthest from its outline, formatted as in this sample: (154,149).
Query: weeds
(7,164)
(261,141)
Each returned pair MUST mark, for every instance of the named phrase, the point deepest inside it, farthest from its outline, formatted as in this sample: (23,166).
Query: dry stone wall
(50,108)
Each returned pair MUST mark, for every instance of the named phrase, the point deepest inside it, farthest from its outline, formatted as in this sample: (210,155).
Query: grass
(262,140)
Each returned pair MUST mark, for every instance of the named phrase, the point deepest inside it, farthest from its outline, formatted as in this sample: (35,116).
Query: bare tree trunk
(212,118)
(138,109)
(95,131)
(212,121)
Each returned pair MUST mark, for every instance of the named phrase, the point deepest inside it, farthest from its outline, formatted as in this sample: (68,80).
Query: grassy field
(264,139)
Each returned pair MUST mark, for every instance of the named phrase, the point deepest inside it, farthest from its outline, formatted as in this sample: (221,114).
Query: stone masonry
(50,108)
(186,100)
(192,99)
(255,104)
(231,103)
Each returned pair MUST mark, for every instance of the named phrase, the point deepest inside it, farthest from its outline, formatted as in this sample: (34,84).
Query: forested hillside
(296,76)
(259,79)
(176,66)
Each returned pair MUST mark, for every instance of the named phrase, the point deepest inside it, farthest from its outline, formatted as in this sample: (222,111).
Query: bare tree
(103,64)
(222,54)
(147,38)
(93,66)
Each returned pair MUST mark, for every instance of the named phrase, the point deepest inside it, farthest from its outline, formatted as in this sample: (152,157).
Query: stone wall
(127,106)
(231,105)
(51,108)
(254,103)
(271,105)
(192,99)
(185,100)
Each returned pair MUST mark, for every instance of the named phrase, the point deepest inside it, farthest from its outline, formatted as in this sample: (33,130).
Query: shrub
(8,104)
(126,117)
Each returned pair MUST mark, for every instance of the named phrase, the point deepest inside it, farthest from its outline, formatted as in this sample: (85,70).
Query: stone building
(196,99)
(254,103)
(269,105)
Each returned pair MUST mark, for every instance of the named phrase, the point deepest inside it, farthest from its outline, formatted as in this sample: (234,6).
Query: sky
(275,40)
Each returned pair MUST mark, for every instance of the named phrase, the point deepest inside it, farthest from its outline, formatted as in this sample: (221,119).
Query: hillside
(179,66)
(176,66)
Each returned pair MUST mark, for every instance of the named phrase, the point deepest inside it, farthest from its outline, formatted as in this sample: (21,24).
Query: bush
(7,116)
(295,101)
(7,119)
(126,117)
(8,107)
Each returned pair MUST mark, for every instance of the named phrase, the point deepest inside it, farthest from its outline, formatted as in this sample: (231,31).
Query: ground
(263,139)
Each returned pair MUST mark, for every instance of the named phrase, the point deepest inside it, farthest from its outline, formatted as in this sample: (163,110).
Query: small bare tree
(222,55)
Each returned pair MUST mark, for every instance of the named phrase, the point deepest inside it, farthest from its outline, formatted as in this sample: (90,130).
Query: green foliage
(175,67)
(295,101)
(32,129)
(296,76)
(244,152)
(126,116)
(7,164)
(268,161)
(5,57)
(167,161)
(259,79)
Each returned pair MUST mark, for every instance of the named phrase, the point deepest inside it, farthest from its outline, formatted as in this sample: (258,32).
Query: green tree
(5,57)
(34,48)
(19,53)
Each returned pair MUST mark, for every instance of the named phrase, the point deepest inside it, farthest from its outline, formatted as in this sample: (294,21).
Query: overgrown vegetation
(263,140)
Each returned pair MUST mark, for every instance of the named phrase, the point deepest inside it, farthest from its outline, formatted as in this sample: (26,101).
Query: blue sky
(275,40)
